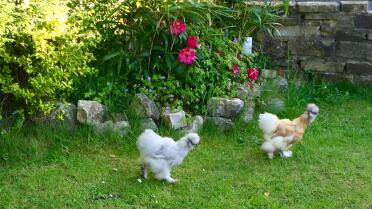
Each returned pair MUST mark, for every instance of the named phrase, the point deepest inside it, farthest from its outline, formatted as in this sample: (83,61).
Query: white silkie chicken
(281,134)
(160,154)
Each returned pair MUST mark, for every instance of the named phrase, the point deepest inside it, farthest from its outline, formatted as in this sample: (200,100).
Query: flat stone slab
(293,31)
(363,21)
(359,68)
(312,46)
(354,6)
(357,35)
(369,35)
(319,7)
(321,65)
(354,50)
(322,16)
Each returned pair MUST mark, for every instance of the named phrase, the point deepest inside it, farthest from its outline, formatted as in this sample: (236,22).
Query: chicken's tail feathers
(267,122)
(147,141)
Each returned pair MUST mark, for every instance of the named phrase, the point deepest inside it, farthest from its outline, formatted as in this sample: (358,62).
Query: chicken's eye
(191,143)
(313,112)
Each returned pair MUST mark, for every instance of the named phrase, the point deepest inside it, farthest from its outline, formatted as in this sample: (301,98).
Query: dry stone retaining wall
(331,38)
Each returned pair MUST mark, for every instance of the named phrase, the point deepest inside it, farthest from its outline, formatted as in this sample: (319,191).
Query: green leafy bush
(41,54)
(137,44)
(138,52)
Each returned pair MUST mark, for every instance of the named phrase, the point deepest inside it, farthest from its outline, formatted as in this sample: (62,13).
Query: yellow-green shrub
(41,53)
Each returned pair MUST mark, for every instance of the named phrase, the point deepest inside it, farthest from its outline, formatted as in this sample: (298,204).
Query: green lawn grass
(331,167)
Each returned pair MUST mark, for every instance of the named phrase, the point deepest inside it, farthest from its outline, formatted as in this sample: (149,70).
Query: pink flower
(252,73)
(192,42)
(235,69)
(186,56)
(177,27)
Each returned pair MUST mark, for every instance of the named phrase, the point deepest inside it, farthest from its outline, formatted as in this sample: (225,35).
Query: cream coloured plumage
(281,134)
(160,154)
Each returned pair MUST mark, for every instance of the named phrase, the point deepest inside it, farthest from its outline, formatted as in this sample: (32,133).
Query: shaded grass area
(331,167)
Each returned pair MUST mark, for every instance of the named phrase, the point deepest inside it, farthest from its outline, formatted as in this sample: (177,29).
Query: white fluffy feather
(160,154)
(268,122)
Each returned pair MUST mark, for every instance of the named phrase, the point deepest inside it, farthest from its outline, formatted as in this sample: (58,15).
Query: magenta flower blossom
(186,56)
(235,69)
(252,73)
(177,27)
(192,42)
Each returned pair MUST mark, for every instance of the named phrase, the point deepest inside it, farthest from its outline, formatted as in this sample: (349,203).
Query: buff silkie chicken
(281,134)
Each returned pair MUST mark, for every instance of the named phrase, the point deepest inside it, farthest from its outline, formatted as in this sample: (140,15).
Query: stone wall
(332,39)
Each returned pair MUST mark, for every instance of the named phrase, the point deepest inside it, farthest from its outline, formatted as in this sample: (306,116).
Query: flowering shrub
(178,52)
(216,73)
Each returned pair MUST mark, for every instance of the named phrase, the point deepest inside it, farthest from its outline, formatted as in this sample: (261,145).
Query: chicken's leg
(144,168)
(165,175)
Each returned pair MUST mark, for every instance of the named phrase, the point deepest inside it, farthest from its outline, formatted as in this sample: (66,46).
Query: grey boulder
(149,123)
(175,120)
(64,115)
(120,127)
(222,124)
(281,84)
(275,105)
(90,112)
(196,123)
(247,114)
(226,108)
(144,107)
